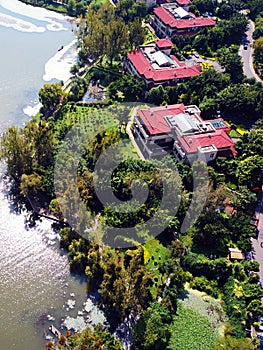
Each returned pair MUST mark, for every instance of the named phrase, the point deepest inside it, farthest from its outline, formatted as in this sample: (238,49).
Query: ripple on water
(35,278)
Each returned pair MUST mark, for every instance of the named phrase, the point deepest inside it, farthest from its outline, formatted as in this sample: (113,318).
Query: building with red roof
(180,130)
(156,66)
(183,3)
(170,19)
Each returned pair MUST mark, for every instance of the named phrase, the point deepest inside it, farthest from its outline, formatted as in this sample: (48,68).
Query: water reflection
(34,275)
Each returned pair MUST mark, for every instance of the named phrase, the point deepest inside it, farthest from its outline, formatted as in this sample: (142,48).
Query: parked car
(256,230)
(260,338)
(249,256)
(254,222)
(196,54)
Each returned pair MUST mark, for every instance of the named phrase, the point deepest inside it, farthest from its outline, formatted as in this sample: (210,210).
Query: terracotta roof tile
(144,67)
(169,20)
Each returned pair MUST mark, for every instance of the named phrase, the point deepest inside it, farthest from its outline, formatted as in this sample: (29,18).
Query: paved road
(258,243)
(246,55)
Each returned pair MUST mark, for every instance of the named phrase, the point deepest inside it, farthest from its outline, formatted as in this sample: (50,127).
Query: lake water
(34,273)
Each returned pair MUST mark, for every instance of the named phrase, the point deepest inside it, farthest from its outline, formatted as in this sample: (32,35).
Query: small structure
(235,254)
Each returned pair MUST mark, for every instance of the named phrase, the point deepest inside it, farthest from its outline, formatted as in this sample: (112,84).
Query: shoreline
(47,8)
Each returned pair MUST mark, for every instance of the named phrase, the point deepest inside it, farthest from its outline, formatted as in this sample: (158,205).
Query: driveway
(199,59)
(246,54)
(258,242)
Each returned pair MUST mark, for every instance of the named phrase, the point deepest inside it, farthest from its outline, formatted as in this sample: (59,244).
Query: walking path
(130,134)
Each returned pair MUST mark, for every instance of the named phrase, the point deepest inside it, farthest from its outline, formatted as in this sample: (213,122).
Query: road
(258,243)
(246,55)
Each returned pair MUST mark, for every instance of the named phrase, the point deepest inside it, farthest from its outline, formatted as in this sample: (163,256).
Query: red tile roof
(164,15)
(180,63)
(218,138)
(144,67)
(183,2)
(163,43)
(155,122)
(169,20)
(154,118)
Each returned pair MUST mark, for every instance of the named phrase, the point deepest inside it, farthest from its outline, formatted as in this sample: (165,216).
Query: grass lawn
(57,8)
(155,253)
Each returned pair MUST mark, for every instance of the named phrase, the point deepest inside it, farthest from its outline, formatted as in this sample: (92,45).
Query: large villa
(155,64)
(181,131)
(170,19)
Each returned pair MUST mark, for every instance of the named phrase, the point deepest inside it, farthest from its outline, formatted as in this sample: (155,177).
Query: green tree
(152,330)
(232,64)
(131,87)
(255,307)
(71,7)
(230,343)
(258,49)
(136,34)
(249,171)
(117,39)
(51,96)
(80,8)
(157,95)
(17,152)
(31,184)
(96,339)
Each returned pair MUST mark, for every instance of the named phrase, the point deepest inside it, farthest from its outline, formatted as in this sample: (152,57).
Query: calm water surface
(34,272)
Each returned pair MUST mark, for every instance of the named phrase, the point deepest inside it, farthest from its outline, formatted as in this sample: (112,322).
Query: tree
(157,95)
(117,39)
(71,7)
(91,34)
(30,184)
(130,86)
(230,343)
(17,152)
(240,100)
(205,5)
(249,171)
(51,96)
(96,339)
(136,34)
(124,288)
(232,64)
(152,330)
(80,9)
(258,49)
(128,10)
(255,307)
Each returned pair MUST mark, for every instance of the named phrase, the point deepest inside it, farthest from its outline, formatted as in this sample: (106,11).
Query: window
(212,155)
